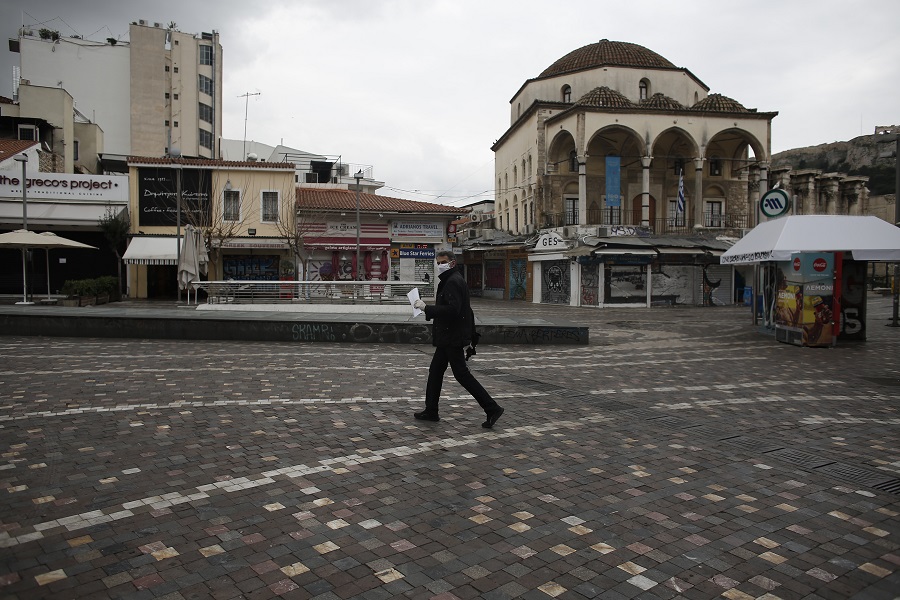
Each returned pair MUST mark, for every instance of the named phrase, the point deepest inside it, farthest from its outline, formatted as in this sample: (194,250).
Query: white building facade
(158,91)
(598,147)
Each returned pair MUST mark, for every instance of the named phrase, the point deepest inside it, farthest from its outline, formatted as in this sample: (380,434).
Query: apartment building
(157,92)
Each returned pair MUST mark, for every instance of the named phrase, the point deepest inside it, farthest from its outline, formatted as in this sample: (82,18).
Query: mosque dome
(720,103)
(607,53)
(661,101)
(605,97)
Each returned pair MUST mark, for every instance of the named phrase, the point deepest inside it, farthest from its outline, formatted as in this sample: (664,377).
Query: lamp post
(23,158)
(178,228)
(357,177)
(886,135)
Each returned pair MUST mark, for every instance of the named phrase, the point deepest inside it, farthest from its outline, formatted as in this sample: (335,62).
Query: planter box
(69,302)
(87,300)
(103,299)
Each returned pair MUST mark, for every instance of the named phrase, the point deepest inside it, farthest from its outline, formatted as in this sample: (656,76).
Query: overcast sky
(420,89)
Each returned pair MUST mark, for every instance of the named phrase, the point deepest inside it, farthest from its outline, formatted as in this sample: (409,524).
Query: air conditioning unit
(568,232)
(475,217)
(142,22)
(344,170)
(529,229)
(473,233)
(603,232)
(156,24)
(488,234)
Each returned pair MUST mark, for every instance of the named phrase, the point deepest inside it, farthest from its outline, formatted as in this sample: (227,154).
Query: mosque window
(715,166)
(567,93)
(573,161)
(644,88)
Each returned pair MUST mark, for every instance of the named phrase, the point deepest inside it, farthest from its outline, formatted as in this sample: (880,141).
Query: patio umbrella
(24,239)
(193,259)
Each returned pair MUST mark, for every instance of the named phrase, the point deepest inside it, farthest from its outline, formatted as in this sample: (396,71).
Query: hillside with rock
(859,156)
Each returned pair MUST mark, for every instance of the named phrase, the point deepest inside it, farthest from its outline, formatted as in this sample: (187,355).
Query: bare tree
(115,226)
(297,226)
(215,230)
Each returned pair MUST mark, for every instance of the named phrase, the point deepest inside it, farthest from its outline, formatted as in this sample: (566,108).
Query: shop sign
(65,186)
(414,253)
(551,241)
(402,229)
(775,203)
(496,254)
(158,196)
(340,228)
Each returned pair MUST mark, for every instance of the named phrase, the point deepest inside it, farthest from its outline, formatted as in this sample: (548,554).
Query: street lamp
(886,135)
(357,177)
(178,228)
(23,158)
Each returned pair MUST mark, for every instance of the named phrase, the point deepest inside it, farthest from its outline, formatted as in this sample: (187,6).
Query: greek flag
(679,208)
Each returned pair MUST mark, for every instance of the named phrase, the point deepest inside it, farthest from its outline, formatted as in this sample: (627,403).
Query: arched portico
(677,165)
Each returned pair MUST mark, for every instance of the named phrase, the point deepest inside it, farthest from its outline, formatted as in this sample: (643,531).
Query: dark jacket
(454,321)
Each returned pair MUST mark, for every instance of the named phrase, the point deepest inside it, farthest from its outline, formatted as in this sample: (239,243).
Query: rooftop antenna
(246,98)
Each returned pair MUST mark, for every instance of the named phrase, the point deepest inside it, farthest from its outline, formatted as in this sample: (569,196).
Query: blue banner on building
(613,184)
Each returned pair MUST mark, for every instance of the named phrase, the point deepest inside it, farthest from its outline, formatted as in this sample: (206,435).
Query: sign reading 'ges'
(551,241)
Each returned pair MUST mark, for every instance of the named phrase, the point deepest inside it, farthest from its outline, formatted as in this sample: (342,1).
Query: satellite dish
(175,152)
(252,157)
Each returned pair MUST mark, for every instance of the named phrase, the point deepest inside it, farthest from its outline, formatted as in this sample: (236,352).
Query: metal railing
(681,224)
(310,292)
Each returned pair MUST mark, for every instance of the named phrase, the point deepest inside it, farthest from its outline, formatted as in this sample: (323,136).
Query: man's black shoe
(426,416)
(492,417)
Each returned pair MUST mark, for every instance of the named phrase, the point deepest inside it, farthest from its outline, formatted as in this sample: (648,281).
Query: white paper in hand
(413,295)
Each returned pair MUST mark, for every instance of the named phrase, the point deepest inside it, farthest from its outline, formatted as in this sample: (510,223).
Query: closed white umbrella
(193,259)
(24,239)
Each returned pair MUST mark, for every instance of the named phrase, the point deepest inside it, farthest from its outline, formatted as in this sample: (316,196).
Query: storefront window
(493,275)
(252,268)
(625,284)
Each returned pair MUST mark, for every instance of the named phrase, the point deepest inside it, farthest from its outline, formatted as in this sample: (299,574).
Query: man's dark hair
(448,254)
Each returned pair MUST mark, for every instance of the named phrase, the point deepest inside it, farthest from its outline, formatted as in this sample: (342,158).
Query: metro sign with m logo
(775,203)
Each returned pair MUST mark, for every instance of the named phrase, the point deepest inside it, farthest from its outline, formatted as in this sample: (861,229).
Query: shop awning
(152,251)
(623,251)
(45,214)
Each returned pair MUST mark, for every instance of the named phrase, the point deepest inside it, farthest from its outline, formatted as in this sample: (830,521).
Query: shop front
(809,296)
(70,206)
(331,245)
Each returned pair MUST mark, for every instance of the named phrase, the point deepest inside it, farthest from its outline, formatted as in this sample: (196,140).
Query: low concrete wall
(292,328)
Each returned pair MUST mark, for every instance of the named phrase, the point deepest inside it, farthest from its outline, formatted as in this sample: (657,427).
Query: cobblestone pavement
(681,455)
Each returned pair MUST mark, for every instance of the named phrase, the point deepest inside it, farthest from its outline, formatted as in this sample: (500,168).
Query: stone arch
(558,151)
(735,143)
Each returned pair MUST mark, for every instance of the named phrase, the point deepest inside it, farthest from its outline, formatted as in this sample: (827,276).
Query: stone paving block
(162,468)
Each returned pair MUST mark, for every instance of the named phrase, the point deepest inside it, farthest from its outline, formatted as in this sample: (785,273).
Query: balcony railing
(681,224)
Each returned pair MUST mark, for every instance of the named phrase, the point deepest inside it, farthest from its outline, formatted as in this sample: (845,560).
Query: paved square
(681,455)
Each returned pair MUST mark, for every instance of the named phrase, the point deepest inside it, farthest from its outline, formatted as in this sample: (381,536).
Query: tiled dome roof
(719,103)
(661,101)
(605,52)
(605,97)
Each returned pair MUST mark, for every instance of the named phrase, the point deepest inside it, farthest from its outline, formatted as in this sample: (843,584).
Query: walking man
(452,331)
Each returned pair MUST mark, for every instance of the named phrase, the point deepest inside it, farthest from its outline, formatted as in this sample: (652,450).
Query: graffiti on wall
(518,275)
(555,282)
(590,285)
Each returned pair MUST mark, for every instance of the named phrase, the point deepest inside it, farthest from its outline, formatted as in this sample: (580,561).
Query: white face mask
(443,267)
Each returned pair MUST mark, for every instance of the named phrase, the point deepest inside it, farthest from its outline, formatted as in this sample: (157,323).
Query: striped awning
(152,251)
